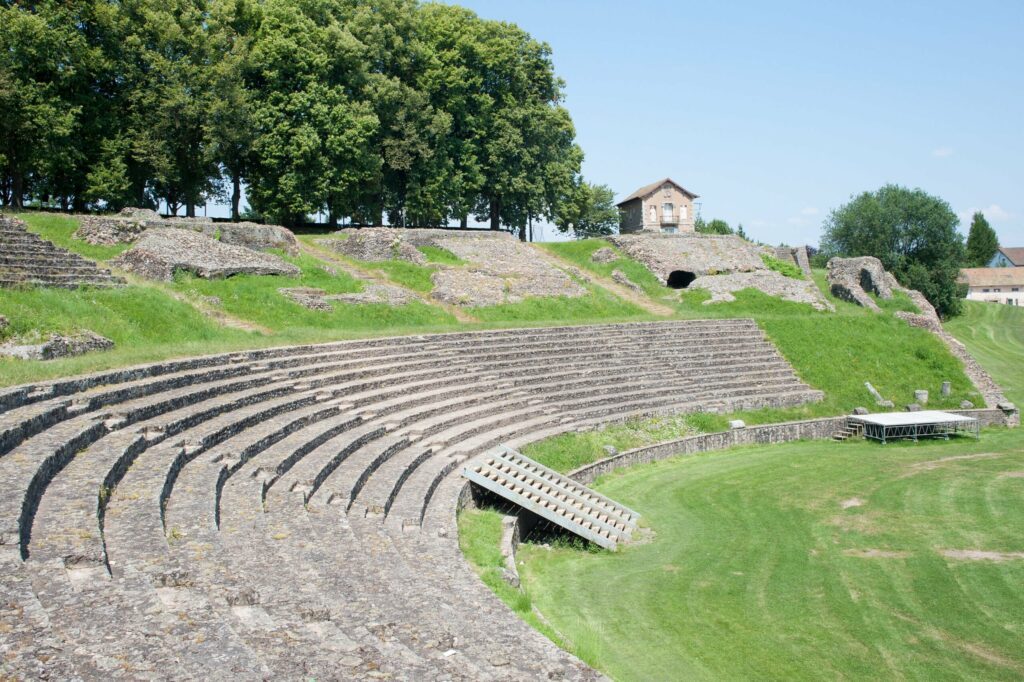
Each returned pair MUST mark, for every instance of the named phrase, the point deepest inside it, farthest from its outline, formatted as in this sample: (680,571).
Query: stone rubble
(130,223)
(852,279)
(604,255)
(158,253)
(623,279)
(375,244)
(372,293)
(722,287)
(701,254)
(57,346)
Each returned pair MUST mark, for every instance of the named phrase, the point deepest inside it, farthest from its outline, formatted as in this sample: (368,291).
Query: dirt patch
(1012,474)
(936,463)
(852,502)
(876,553)
(980,555)
(860,523)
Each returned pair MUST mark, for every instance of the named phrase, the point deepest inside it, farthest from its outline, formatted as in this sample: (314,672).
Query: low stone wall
(769,433)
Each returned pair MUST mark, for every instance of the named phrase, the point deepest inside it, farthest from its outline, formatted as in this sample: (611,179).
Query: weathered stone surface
(126,226)
(797,255)
(57,346)
(887,404)
(913,407)
(29,260)
(307,297)
(375,244)
(318,299)
(257,237)
(464,287)
(966,405)
(158,253)
(722,287)
(385,294)
(921,397)
(623,279)
(947,388)
(499,270)
(697,253)
(852,279)
(860,410)
(604,255)
(737,424)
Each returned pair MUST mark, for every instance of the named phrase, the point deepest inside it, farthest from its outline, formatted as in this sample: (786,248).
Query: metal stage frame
(926,424)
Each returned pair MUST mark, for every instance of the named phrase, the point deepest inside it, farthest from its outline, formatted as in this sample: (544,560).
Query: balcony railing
(669,220)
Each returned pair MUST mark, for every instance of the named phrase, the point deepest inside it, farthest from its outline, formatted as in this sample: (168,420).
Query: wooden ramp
(551,495)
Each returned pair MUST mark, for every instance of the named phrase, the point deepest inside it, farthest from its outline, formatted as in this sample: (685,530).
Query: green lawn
(811,560)
(994,334)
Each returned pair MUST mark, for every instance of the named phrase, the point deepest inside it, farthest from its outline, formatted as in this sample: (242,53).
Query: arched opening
(680,279)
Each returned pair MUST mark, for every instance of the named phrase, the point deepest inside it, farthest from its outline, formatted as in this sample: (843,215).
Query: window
(682,212)
(667,211)
(1015,289)
(998,290)
(669,230)
(666,190)
(984,291)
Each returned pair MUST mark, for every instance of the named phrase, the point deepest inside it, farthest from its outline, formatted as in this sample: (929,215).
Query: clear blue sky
(776,113)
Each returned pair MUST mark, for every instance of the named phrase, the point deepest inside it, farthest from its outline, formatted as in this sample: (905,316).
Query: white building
(995,285)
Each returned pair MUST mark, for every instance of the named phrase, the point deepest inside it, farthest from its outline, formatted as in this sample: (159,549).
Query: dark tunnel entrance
(680,279)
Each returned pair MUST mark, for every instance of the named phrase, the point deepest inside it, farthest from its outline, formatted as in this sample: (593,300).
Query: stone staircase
(848,431)
(290,512)
(553,496)
(26,259)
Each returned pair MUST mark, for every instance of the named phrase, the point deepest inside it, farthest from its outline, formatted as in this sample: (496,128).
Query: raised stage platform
(926,424)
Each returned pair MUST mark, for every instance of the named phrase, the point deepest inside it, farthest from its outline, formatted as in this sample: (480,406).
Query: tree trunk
(522,232)
(495,214)
(17,189)
(236,196)
(190,209)
(464,222)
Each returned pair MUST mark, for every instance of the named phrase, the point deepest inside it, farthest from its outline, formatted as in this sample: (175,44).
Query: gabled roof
(647,190)
(993,277)
(1015,254)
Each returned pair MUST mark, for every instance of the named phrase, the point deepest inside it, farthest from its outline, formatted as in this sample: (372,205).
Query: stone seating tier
(26,259)
(291,512)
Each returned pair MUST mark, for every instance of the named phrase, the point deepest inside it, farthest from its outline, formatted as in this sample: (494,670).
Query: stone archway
(680,279)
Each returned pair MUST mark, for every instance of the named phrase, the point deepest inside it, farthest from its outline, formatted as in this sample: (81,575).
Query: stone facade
(662,207)
(158,253)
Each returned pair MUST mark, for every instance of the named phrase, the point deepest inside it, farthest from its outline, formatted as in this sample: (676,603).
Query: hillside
(994,335)
(836,352)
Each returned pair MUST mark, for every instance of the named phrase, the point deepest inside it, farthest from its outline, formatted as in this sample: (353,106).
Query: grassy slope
(868,346)
(994,334)
(754,571)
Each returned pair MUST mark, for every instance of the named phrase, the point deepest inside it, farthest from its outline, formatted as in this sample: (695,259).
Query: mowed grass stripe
(758,571)
(994,335)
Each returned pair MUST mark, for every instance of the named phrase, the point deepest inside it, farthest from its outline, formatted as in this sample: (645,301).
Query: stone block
(913,407)
(860,410)
(737,424)
(947,388)
(966,405)
(921,397)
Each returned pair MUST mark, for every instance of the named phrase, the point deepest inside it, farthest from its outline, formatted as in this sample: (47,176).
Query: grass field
(804,561)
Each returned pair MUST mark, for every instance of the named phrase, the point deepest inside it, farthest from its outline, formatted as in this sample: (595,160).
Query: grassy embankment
(803,560)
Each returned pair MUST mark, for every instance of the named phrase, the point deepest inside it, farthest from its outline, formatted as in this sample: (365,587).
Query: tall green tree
(589,212)
(982,242)
(714,226)
(36,122)
(914,235)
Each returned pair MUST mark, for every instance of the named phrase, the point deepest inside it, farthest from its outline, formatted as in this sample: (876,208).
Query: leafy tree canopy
(589,212)
(914,235)
(982,242)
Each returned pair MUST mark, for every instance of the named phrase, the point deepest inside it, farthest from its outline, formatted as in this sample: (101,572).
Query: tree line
(419,114)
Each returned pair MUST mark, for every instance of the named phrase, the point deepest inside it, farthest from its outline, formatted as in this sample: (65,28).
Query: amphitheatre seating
(291,512)
(26,259)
